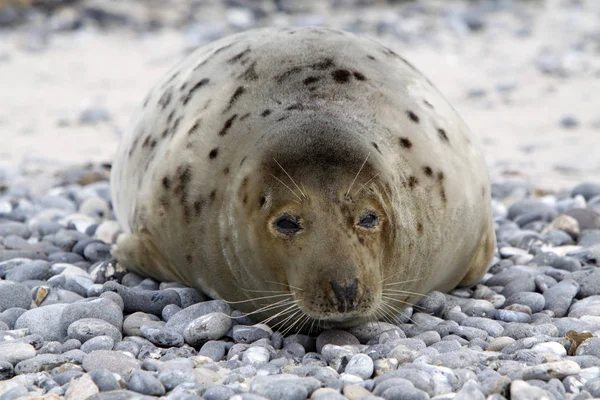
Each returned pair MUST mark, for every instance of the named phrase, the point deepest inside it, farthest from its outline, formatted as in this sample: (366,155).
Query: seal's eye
(368,220)
(287,225)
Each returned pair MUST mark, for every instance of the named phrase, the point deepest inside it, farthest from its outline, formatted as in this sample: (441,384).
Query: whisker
(269,307)
(366,183)
(288,175)
(401,282)
(294,193)
(258,298)
(401,301)
(286,285)
(405,292)
(358,173)
(289,309)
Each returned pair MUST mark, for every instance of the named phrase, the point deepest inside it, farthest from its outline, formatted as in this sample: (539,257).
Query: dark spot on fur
(146,100)
(376,147)
(440,176)
(245,200)
(361,240)
(413,117)
(146,142)
(442,135)
(265,113)
(170,117)
(198,204)
(483,191)
(443,195)
(153,144)
(282,118)
(359,76)
(243,159)
(288,73)
(341,75)
(175,126)
(197,86)
(184,174)
(213,195)
(427,170)
(243,117)
(250,73)
(245,182)
(165,99)
(227,125)
(166,182)
(194,127)
(296,106)
(238,56)
(188,258)
(213,153)
(370,57)
(412,181)
(238,92)
(165,133)
(311,79)
(404,142)
(262,201)
(326,63)
(419,228)
(428,104)
(226,170)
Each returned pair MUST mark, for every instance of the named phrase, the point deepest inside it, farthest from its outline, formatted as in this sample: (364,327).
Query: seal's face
(327,238)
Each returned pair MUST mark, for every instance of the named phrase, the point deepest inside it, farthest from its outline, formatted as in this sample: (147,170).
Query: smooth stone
(360,365)
(88,328)
(256,355)
(148,301)
(547,371)
(98,343)
(14,295)
(39,363)
(44,321)
(211,326)
(370,330)
(100,308)
(250,334)
(589,347)
(104,380)
(16,352)
(560,296)
(112,361)
(335,337)
(179,321)
(146,383)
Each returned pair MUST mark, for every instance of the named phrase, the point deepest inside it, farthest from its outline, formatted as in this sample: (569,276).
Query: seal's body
(307,170)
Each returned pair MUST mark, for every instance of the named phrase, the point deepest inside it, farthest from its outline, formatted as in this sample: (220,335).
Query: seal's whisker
(405,292)
(269,307)
(401,282)
(288,188)
(266,291)
(289,309)
(366,183)
(294,182)
(402,301)
(358,173)
(401,313)
(258,298)
(282,323)
(295,321)
(387,312)
(286,285)
(306,319)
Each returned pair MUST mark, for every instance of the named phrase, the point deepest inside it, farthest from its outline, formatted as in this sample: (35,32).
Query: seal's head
(320,222)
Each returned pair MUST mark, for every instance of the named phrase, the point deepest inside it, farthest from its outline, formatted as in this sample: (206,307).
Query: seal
(311,176)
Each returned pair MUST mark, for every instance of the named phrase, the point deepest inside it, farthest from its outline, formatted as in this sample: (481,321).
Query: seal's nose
(346,295)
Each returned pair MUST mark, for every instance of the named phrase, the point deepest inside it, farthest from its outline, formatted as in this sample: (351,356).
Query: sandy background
(526,81)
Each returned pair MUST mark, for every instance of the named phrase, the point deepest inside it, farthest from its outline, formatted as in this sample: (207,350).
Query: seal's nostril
(346,295)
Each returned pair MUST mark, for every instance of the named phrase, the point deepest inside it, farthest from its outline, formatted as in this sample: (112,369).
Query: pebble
(335,337)
(145,383)
(250,334)
(88,328)
(14,295)
(180,320)
(114,361)
(360,365)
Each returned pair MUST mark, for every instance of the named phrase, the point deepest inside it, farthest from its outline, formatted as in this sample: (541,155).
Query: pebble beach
(75,325)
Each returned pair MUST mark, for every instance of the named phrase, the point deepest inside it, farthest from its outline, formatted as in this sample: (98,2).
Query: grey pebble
(105,380)
(250,334)
(161,335)
(148,301)
(133,322)
(44,321)
(360,365)
(98,343)
(560,296)
(256,355)
(110,360)
(14,295)
(211,326)
(336,337)
(218,392)
(39,363)
(146,383)
(14,353)
(6,370)
(535,301)
(180,320)
(88,328)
